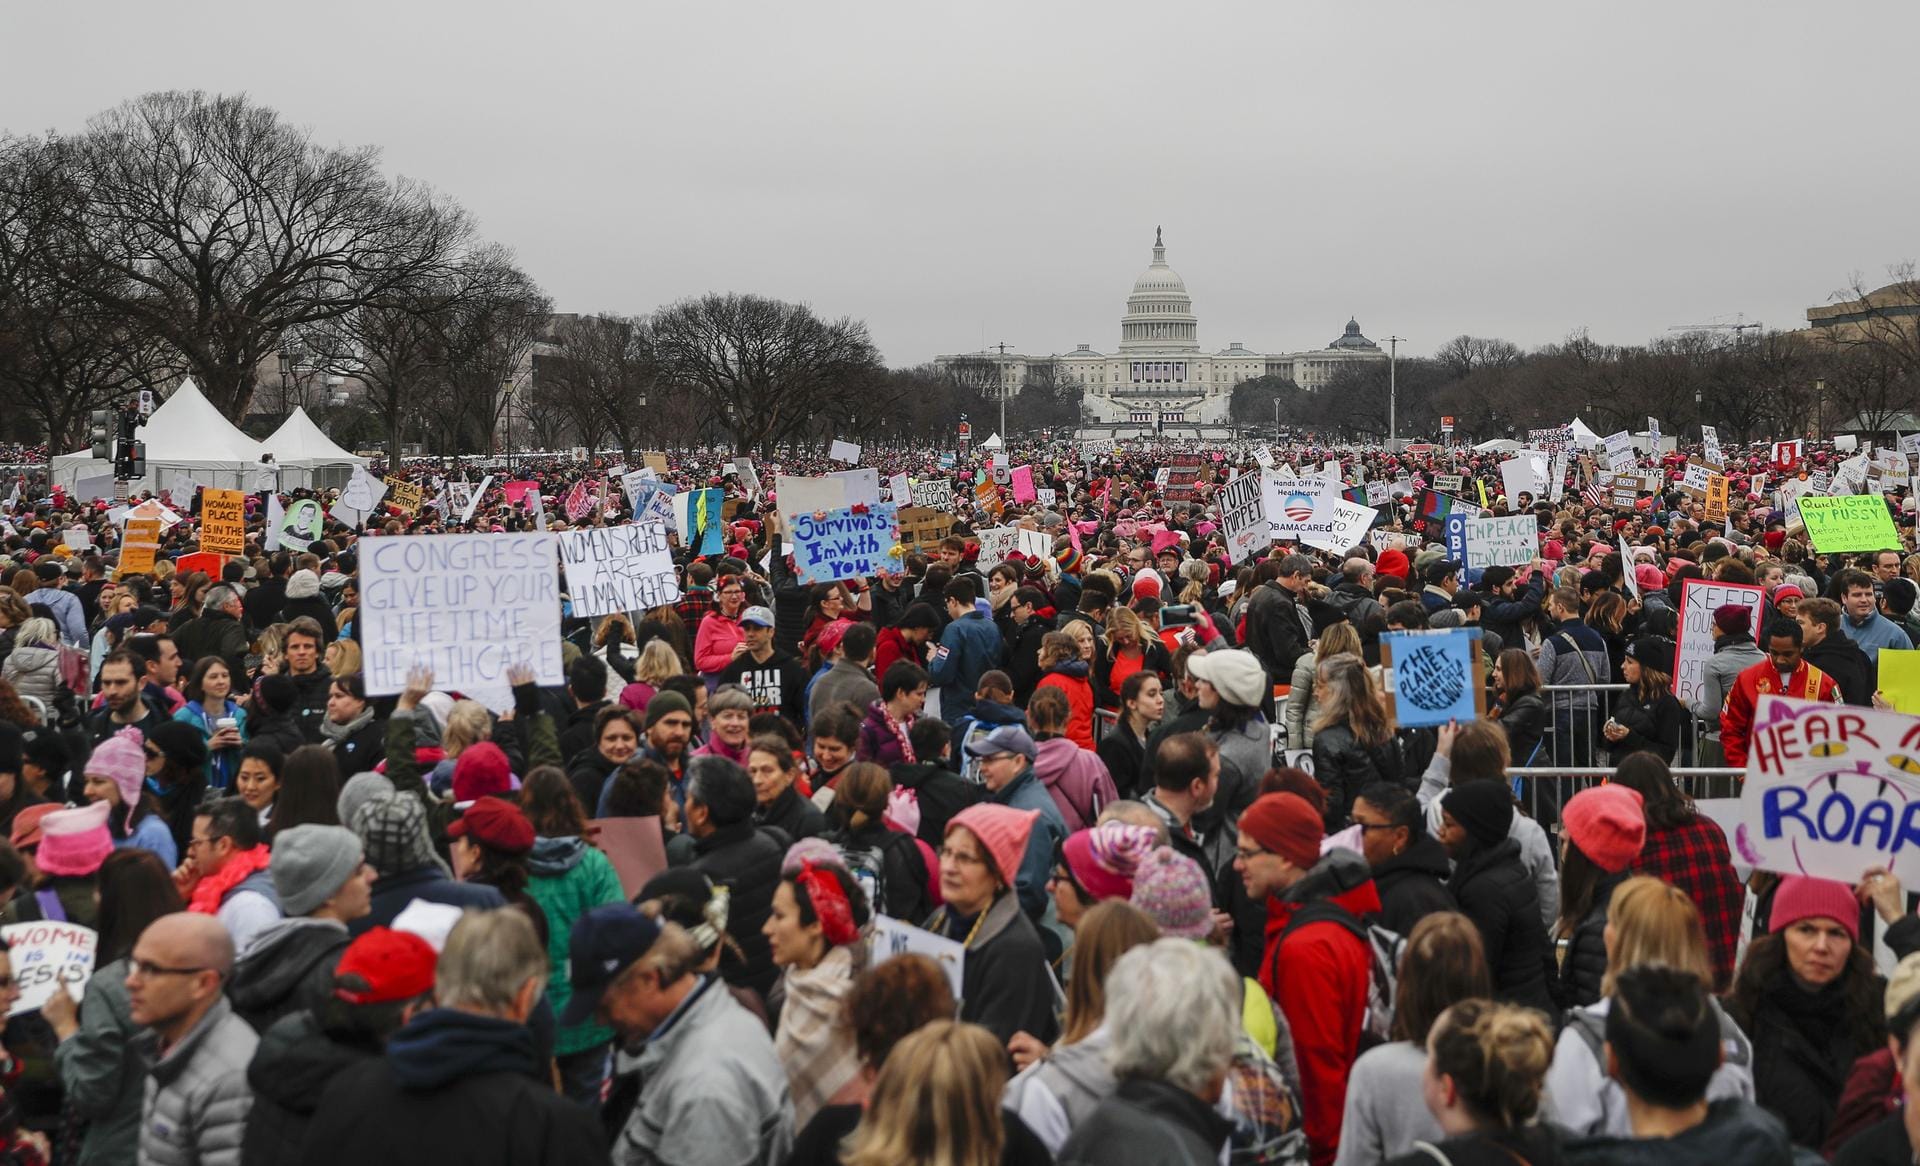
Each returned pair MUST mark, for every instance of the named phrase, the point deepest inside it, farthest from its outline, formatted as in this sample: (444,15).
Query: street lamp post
(506,390)
(1393,388)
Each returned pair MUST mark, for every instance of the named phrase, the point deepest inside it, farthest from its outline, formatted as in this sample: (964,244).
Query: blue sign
(1436,675)
(853,542)
(1456,539)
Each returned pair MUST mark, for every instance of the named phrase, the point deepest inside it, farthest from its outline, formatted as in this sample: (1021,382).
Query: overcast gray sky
(958,172)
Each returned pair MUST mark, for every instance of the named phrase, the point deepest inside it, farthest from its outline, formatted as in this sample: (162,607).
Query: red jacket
(891,646)
(1071,679)
(1736,717)
(1319,976)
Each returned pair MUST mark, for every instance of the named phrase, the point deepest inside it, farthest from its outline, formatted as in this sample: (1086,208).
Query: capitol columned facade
(1158,375)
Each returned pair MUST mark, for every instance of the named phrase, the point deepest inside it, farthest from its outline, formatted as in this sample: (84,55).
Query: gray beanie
(360,788)
(393,828)
(310,864)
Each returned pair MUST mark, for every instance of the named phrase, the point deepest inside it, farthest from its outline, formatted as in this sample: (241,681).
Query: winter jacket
(890,647)
(713,1092)
(290,1072)
(101,1071)
(1246,754)
(1025,792)
(1850,667)
(940,795)
(315,606)
(1275,632)
(878,742)
(1344,767)
(1536,853)
(987,715)
(1070,677)
(1301,707)
(1534,1145)
(1413,884)
(34,671)
(1005,986)
(1058,1093)
(1148,1123)
(747,859)
(214,633)
(1735,1130)
(1884,1143)
(1509,618)
(843,683)
(392,893)
(1077,779)
(152,833)
(1380,1120)
(1022,644)
(1733,653)
(1584,963)
(194,1109)
(1573,654)
(1495,891)
(452,1087)
(1125,757)
(1736,718)
(288,968)
(969,646)
(792,815)
(1318,973)
(1525,723)
(569,879)
(1803,1045)
(714,642)
(1583,1098)
(1653,726)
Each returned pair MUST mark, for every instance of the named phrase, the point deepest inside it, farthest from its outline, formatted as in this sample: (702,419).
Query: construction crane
(1739,327)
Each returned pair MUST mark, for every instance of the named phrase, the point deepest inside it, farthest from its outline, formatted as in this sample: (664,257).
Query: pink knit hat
(1172,890)
(1103,860)
(74,842)
(123,758)
(1608,823)
(1003,832)
(1799,897)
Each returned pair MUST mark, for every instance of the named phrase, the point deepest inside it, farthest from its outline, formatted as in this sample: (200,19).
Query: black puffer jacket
(290,1071)
(792,815)
(1413,884)
(1585,964)
(1496,892)
(287,969)
(1344,767)
(1274,631)
(747,859)
(1653,726)
(941,794)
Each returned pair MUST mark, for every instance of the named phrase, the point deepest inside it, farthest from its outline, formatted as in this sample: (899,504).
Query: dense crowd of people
(1211,901)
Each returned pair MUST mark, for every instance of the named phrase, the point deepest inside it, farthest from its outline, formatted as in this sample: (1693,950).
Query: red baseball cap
(495,823)
(394,965)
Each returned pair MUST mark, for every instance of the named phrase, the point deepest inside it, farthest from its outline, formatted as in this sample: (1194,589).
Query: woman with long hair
(936,1102)
(658,663)
(1442,964)
(1486,1067)
(1517,704)
(813,933)
(1341,639)
(1608,615)
(1063,667)
(887,863)
(832,602)
(1601,832)
(1650,923)
(309,792)
(13,613)
(343,657)
(570,878)
(1002,581)
(468,723)
(210,702)
(1647,717)
(1688,849)
(116,774)
(1131,648)
(102,1072)
(1353,744)
(33,667)
(1124,748)
(1808,997)
(489,843)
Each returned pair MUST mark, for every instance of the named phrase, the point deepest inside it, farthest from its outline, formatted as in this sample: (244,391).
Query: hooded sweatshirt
(289,968)
(569,879)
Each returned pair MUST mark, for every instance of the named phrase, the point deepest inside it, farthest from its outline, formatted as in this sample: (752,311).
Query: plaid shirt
(1694,858)
(694,606)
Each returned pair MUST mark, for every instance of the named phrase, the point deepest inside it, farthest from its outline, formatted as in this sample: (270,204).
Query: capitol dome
(1159,314)
(1352,339)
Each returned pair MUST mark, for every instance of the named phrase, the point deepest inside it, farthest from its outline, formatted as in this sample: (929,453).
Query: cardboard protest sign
(634,846)
(1449,483)
(47,957)
(139,545)
(209,561)
(1831,791)
(1433,677)
(362,493)
(1243,516)
(891,937)
(922,527)
(986,497)
(1717,497)
(997,543)
(618,568)
(1349,527)
(223,522)
(655,461)
(1376,493)
(467,605)
(1852,522)
(937,493)
(1510,540)
(849,543)
(406,497)
(1693,479)
(1694,645)
(844,451)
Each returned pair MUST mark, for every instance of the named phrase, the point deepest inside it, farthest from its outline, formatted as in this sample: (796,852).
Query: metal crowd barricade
(1573,753)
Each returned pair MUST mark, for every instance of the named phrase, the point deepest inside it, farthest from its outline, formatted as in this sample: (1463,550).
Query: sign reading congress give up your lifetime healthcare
(467,605)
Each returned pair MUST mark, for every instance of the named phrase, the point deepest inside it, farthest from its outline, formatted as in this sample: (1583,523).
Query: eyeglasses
(1366,826)
(146,969)
(153,754)
(8,982)
(962,857)
(1249,853)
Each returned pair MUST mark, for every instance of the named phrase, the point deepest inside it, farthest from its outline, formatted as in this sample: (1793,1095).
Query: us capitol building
(1159,376)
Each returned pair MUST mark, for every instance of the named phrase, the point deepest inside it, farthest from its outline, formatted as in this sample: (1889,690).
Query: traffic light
(100,433)
(136,459)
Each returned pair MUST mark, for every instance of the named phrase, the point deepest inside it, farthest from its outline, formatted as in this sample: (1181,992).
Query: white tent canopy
(306,456)
(993,442)
(187,439)
(1583,437)
(1497,445)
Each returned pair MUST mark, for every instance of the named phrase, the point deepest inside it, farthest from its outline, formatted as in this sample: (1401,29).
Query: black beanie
(1483,808)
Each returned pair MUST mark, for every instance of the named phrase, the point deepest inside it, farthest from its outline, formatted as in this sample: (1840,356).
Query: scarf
(899,733)
(813,1043)
(210,890)
(336,734)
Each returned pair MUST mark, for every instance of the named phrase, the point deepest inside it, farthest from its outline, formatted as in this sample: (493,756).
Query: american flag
(1592,493)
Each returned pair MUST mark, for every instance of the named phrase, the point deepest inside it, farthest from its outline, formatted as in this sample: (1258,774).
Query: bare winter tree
(605,376)
(210,222)
(1886,319)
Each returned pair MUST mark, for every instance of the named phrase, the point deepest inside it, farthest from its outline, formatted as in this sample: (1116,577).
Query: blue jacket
(1872,634)
(969,647)
(1049,830)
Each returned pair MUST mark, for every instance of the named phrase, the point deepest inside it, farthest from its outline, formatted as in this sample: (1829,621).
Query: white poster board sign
(618,568)
(1243,515)
(1694,646)
(1511,540)
(891,937)
(1297,507)
(48,955)
(936,493)
(1351,521)
(1619,450)
(996,543)
(468,605)
(798,495)
(844,451)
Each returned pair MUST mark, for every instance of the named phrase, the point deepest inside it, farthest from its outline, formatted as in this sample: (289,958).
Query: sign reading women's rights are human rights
(469,606)
(1832,791)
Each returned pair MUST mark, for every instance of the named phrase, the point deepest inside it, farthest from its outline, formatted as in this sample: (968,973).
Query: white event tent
(187,439)
(307,457)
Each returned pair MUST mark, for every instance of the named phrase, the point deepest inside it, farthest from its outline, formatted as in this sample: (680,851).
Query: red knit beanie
(1285,824)
(1609,825)
(1805,897)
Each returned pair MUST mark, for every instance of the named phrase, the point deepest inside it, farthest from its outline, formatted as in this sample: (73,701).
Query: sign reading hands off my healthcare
(1832,791)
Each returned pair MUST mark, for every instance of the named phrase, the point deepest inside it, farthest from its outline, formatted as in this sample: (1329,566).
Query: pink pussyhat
(74,842)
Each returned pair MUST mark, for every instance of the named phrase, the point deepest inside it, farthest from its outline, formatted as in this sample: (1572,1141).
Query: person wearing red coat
(1070,676)
(1803,681)
(1318,966)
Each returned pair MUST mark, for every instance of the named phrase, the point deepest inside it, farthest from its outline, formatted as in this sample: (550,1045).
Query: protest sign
(516,492)
(361,495)
(1619,449)
(1263,456)
(618,568)
(1347,529)
(698,515)
(154,508)
(223,522)
(634,846)
(996,543)
(748,476)
(1524,475)
(301,525)
(1557,475)
(1694,479)
(986,497)
(1243,516)
(473,502)
(1717,496)
(1047,496)
(1454,533)
(844,451)
(1376,493)
(1034,543)
(467,605)
(1900,678)
(1830,792)
(1021,479)
(1626,567)
(891,937)
(937,493)
(1433,677)
(655,461)
(139,545)
(922,528)
(862,486)
(1449,483)
(77,538)
(849,543)
(1852,522)
(796,495)
(1298,507)
(210,562)
(1710,437)
(578,503)
(1510,540)
(406,497)
(900,490)
(47,957)
(1694,645)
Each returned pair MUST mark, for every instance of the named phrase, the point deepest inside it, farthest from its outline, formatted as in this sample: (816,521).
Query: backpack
(1735,1049)
(969,764)
(868,866)
(1384,948)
